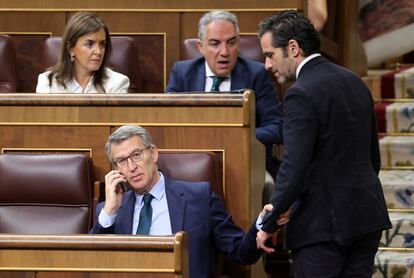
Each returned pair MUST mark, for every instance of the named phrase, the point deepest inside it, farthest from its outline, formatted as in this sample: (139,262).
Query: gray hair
(124,133)
(215,15)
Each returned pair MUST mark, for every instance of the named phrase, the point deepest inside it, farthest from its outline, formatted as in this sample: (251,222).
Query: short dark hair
(289,25)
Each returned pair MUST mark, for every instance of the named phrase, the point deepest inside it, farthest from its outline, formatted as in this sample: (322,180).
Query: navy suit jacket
(194,208)
(190,76)
(331,159)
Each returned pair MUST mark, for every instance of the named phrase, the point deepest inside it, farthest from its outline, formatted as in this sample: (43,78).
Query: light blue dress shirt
(225,85)
(160,225)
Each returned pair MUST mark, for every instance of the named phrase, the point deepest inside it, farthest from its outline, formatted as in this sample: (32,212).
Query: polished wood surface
(171,109)
(145,5)
(167,256)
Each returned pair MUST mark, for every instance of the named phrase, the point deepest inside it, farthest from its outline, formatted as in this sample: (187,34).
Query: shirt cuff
(106,220)
(259,223)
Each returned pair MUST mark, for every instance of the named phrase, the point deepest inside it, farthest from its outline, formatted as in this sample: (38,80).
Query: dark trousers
(352,257)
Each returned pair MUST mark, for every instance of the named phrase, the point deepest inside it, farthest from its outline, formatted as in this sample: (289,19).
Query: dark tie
(145,216)
(216,83)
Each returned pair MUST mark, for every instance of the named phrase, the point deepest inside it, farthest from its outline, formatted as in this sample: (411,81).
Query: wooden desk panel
(150,5)
(99,254)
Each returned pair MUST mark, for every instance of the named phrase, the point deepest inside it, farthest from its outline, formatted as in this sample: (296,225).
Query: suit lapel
(199,80)
(176,205)
(239,77)
(125,214)
(310,64)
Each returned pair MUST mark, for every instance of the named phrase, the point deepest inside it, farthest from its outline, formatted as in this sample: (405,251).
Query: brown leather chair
(249,48)
(124,58)
(196,166)
(193,166)
(51,52)
(46,193)
(8,72)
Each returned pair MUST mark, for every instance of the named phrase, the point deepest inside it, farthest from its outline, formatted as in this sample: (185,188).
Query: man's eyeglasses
(135,156)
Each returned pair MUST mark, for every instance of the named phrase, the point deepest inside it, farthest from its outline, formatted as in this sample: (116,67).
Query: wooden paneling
(107,255)
(248,22)
(156,56)
(59,137)
(352,54)
(98,275)
(28,31)
(13,274)
(155,4)
(32,21)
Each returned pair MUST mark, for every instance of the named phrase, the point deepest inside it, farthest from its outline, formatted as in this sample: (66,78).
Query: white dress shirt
(160,224)
(116,83)
(310,57)
(225,85)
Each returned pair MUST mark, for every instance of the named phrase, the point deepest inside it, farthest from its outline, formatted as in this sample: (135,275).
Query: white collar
(157,190)
(209,72)
(310,57)
(75,87)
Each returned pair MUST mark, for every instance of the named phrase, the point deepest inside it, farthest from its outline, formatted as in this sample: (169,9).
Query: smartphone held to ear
(123,186)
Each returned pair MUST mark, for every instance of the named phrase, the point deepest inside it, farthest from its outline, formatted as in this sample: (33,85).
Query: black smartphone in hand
(123,186)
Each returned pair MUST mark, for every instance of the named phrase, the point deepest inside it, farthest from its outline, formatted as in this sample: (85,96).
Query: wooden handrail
(187,99)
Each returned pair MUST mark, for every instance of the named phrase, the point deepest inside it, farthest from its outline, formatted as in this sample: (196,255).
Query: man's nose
(224,50)
(268,64)
(131,164)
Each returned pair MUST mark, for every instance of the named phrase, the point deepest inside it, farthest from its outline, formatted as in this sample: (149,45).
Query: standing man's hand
(261,239)
(266,209)
(113,192)
(263,236)
(284,218)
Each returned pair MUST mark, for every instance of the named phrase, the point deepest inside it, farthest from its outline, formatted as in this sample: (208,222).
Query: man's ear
(154,154)
(200,46)
(293,48)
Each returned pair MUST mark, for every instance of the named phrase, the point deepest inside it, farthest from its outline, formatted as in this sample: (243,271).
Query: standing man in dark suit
(221,69)
(169,206)
(329,170)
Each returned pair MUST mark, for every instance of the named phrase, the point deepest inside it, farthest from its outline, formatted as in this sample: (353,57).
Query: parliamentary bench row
(124,59)
(55,193)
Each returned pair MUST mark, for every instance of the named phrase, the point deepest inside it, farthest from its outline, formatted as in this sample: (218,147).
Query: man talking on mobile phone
(158,205)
